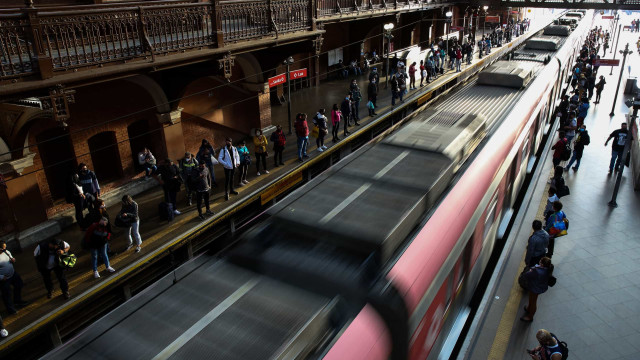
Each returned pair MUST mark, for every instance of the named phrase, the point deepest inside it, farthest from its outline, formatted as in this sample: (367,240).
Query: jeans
(135,229)
(263,157)
(48,284)
(243,172)
(277,156)
(102,251)
(228,180)
(5,287)
(170,197)
(356,113)
(616,156)
(149,168)
(303,141)
(574,158)
(335,129)
(213,175)
(320,139)
(458,63)
(200,196)
(598,93)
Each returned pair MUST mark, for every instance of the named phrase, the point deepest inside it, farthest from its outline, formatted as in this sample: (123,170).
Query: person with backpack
(245,161)
(260,149)
(129,212)
(321,123)
(47,255)
(96,239)
(556,225)
(537,281)
(279,139)
(549,348)
(561,149)
(345,108)
(582,140)
(188,166)
(557,182)
(230,160)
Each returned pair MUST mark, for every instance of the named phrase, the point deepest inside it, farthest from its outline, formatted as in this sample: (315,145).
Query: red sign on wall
(277,80)
(298,74)
(607,62)
(492,19)
(607,17)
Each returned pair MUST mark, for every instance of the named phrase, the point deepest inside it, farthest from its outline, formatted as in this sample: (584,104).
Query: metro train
(402,230)
(376,258)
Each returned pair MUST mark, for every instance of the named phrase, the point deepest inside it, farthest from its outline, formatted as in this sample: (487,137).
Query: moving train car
(376,258)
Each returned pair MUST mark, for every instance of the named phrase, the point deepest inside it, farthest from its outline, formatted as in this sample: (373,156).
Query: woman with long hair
(130,211)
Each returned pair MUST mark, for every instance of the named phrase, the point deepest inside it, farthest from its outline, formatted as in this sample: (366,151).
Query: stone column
(172,135)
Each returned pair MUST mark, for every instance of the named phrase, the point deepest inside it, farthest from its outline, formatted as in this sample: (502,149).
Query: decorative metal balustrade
(328,8)
(575,4)
(17,54)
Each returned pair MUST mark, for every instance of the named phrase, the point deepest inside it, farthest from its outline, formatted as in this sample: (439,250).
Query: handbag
(123,222)
(522,279)
(315,131)
(68,261)
(552,280)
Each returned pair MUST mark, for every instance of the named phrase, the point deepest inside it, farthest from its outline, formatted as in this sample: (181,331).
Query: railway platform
(166,245)
(594,307)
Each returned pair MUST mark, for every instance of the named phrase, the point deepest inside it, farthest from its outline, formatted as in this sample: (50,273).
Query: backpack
(564,349)
(566,152)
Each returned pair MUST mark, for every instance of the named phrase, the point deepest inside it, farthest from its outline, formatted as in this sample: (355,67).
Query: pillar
(172,135)
(22,195)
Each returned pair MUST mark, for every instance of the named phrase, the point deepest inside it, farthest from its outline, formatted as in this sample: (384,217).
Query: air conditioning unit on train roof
(557,30)
(452,134)
(543,43)
(507,74)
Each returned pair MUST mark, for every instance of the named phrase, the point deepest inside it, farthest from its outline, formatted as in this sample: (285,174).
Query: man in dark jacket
(345,108)
(537,244)
(170,180)
(356,96)
(47,256)
(202,184)
(77,197)
(188,166)
(374,76)
(582,140)
(88,181)
(372,93)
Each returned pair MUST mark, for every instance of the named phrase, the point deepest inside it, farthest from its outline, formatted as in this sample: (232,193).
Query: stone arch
(19,137)
(154,90)
(5,155)
(105,156)
(250,67)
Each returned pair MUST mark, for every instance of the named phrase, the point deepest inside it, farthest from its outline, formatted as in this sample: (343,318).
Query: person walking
(170,180)
(536,245)
(321,123)
(599,87)
(96,238)
(47,255)
(302,132)
(129,212)
(537,279)
(279,139)
(336,116)
(582,140)
(207,155)
(260,149)
(245,161)
(188,166)
(10,281)
(202,184)
(617,147)
(230,160)
(372,93)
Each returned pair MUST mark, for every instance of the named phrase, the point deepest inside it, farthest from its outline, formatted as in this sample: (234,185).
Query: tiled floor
(595,306)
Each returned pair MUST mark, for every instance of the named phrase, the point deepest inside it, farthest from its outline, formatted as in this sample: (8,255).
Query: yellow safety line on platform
(510,313)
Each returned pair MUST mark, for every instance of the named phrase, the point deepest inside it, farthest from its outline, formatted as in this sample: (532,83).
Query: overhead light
(449,14)
(485,7)
(388,26)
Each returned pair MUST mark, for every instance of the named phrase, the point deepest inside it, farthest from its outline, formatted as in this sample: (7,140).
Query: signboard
(298,74)
(492,19)
(515,12)
(456,28)
(607,62)
(608,17)
(277,80)
(280,187)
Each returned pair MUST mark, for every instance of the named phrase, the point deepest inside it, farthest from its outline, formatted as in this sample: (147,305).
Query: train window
(490,214)
(449,292)
(525,150)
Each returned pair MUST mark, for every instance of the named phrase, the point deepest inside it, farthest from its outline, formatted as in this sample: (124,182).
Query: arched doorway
(105,156)
(58,159)
(139,138)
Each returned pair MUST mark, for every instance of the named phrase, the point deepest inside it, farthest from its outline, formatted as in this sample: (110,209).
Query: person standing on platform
(619,139)
(549,348)
(345,108)
(188,167)
(76,196)
(582,140)
(10,281)
(374,77)
(558,148)
(321,123)
(129,211)
(202,184)
(537,279)
(583,110)
(170,180)
(47,256)
(89,183)
(423,73)
(97,237)
(279,139)
(302,132)
(599,88)
(260,149)
(412,76)
(3,332)
(207,155)
(356,97)
(554,226)
(245,161)
(372,93)
(458,53)
(536,245)
(230,160)
(336,116)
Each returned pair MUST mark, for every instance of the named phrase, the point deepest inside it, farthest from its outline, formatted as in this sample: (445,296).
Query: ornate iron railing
(16,53)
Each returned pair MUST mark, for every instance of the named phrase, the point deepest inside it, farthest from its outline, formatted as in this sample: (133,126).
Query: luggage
(165,211)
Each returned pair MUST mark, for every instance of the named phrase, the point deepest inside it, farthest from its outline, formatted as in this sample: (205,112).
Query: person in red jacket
(558,148)
(302,131)
(412,76)
(96,239)
(458,58)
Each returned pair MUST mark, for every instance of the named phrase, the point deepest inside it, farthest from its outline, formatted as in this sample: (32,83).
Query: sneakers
(240,183)
(575,168)
(111,270)
(138,248)
(266,171)
(4,333)
(226,197)
(201,217)
(258,173)
(320,149)
(245,182)
(128,247)
(209,212)
(96,274)
(305,156)
(66,295)
(281,163)
(234,192)
(324,147)
(176,212)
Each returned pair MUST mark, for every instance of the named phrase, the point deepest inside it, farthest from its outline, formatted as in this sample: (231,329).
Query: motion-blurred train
(378,257)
